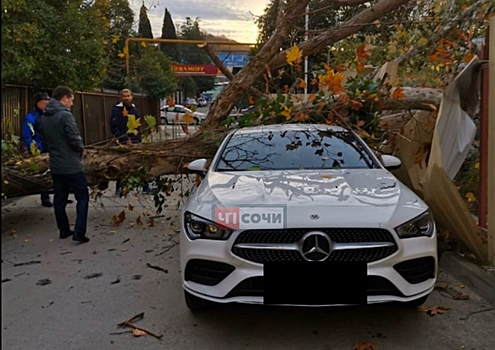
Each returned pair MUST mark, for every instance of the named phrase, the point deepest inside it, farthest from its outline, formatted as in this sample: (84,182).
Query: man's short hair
(61,91)
(125,90)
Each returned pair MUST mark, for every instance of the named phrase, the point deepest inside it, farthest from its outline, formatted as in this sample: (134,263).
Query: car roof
(289,127)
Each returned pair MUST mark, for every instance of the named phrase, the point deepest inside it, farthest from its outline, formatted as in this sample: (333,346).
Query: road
(78,293)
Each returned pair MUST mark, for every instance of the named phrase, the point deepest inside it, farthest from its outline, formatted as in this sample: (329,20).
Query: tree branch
(246,77)
(332,35)
(415,50)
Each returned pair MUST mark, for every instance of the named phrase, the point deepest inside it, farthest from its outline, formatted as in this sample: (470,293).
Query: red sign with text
(195,69)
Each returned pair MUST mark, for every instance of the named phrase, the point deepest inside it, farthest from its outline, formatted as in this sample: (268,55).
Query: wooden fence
(91,110)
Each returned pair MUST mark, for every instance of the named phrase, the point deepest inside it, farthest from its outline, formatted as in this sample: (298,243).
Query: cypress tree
(144,23)
(168,32)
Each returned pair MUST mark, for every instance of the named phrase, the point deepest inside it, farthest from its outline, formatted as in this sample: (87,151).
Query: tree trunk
(104,163)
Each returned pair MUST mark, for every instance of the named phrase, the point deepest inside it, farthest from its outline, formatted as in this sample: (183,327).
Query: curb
(470,274)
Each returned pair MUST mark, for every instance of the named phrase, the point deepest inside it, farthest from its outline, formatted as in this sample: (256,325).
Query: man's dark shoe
(47,203)
(82,239)
(66,234)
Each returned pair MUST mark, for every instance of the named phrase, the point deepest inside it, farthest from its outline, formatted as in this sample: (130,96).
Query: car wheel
(416,302)
(196,304)
(196,121)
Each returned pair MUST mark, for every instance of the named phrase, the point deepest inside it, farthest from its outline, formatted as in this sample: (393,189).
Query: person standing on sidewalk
(118,127)
(31,135)
(64,144)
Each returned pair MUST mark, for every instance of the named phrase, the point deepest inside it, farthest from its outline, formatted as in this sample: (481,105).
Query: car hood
(359,196)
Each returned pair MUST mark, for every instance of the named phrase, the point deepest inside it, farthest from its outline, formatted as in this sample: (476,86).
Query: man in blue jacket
(31,133)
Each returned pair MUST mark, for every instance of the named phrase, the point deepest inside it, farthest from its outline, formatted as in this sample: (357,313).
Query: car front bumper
(386,282)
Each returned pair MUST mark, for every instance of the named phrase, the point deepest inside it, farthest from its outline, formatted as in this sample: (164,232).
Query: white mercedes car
(304,215)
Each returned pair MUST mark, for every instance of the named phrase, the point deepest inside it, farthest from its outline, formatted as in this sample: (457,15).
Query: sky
(232,18)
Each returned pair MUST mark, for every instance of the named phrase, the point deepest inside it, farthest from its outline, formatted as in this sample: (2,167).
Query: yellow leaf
(121,55)
(302,84)
(360,123)
(143,44)
(34,149)
(138,332)
(477,165)
(423,41)
(286,112)
(293,55)
(132,124)
(115,39)
(470,197)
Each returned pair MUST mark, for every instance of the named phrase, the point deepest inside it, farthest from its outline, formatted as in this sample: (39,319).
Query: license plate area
(315,283)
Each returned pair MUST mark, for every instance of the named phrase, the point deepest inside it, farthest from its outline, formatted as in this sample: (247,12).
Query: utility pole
(306,37)
(491,144)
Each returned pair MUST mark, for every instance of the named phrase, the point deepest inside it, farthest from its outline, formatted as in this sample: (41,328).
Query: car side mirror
(391,162)
(198,166)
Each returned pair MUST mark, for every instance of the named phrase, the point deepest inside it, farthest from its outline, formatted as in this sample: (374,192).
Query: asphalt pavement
(59,294)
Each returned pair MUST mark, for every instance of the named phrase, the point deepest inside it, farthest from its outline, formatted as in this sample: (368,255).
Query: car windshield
(294,149)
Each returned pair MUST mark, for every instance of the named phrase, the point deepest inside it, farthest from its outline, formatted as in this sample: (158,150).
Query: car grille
(337,235)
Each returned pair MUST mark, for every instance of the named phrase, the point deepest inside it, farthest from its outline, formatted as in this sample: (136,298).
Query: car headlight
(420,226)
(197,227)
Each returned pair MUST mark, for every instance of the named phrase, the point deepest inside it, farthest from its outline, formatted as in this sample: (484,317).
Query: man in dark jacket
(31,133)
(64,144)
(118,126)
(119,118)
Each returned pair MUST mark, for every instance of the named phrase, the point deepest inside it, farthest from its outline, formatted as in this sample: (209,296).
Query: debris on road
(34,262)
(137,331)
(433,310)
(137,277)
(93,275)
(6,280)
(365,346)
(157,267)
(116,281)
(44,282)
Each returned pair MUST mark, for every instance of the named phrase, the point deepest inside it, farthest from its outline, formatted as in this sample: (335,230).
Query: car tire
(196,121)
(196,304)
(416,302)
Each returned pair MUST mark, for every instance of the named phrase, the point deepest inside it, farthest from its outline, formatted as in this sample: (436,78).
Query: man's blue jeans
(78,184)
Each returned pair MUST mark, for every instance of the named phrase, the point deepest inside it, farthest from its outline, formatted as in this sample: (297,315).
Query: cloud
(231,18)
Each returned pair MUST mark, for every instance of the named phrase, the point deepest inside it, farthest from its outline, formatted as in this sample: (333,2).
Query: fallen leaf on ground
(365,346)
(138,332)
(93,275)
(460,296)
(130,207)
(117,219)
(433,310)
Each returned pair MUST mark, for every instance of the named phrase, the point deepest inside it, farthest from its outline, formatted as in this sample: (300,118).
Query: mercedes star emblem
(316,246)
(314,216)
